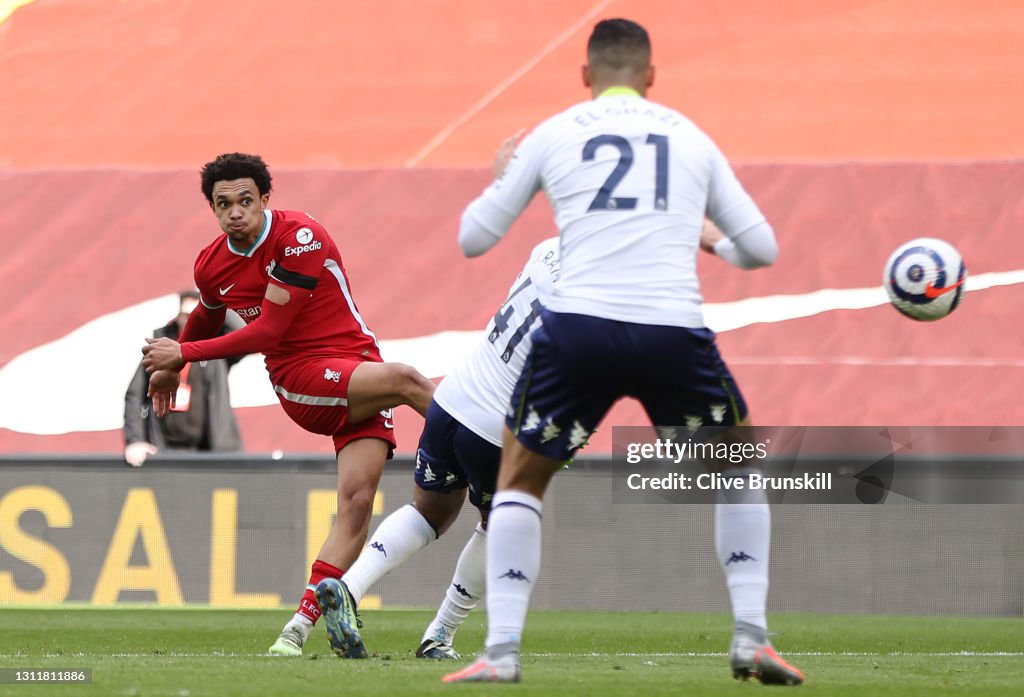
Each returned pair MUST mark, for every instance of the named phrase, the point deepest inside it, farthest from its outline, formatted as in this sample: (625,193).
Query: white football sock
(464,593)
(396,539)
(742,541)
(513,561)
(302,623)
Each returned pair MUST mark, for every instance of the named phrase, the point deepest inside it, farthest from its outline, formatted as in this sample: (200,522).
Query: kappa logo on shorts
(667,432)
(718,412)
(333,375)
(693,423)
(428,475)
(578,437)
(551,431)
(532,420)
(388,415)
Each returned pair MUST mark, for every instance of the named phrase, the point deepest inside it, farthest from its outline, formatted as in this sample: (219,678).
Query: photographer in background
(202,418)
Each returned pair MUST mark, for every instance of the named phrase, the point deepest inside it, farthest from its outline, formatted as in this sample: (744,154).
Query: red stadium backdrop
(857,125)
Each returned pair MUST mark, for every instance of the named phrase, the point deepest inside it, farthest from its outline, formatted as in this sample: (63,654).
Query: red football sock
(308,607)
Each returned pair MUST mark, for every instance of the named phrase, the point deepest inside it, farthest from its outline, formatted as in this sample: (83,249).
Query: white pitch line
(496,91)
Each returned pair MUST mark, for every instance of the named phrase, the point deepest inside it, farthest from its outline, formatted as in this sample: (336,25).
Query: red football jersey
(295,251)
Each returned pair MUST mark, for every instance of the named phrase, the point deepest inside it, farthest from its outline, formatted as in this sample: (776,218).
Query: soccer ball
(925,279)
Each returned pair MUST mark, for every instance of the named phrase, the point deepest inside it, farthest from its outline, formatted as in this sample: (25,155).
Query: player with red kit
(282,273)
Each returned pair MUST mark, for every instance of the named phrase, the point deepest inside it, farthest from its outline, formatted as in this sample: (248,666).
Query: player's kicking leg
(375,387)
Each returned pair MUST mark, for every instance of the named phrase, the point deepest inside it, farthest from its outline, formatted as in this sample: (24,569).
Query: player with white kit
(631,183)
(460,448)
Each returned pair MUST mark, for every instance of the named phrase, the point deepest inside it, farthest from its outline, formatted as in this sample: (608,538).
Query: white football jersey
(631,182)
(478,391)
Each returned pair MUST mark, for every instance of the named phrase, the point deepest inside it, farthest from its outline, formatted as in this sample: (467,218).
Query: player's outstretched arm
(746,239)
(280,307)
(517,178)
(506,150)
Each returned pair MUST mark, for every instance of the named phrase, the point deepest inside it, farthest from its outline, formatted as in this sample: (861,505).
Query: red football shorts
(314,393)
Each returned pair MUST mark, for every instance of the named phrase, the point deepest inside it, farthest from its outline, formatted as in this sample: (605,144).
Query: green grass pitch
(196,652)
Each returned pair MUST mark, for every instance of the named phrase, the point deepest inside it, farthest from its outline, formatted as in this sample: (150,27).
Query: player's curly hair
(617,44)
(235,165)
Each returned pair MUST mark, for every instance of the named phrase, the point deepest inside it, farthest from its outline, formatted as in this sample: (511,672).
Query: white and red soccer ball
(925,279)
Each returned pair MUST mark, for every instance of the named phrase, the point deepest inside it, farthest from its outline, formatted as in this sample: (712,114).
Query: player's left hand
(162,354)
(163,388)
(505,152)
